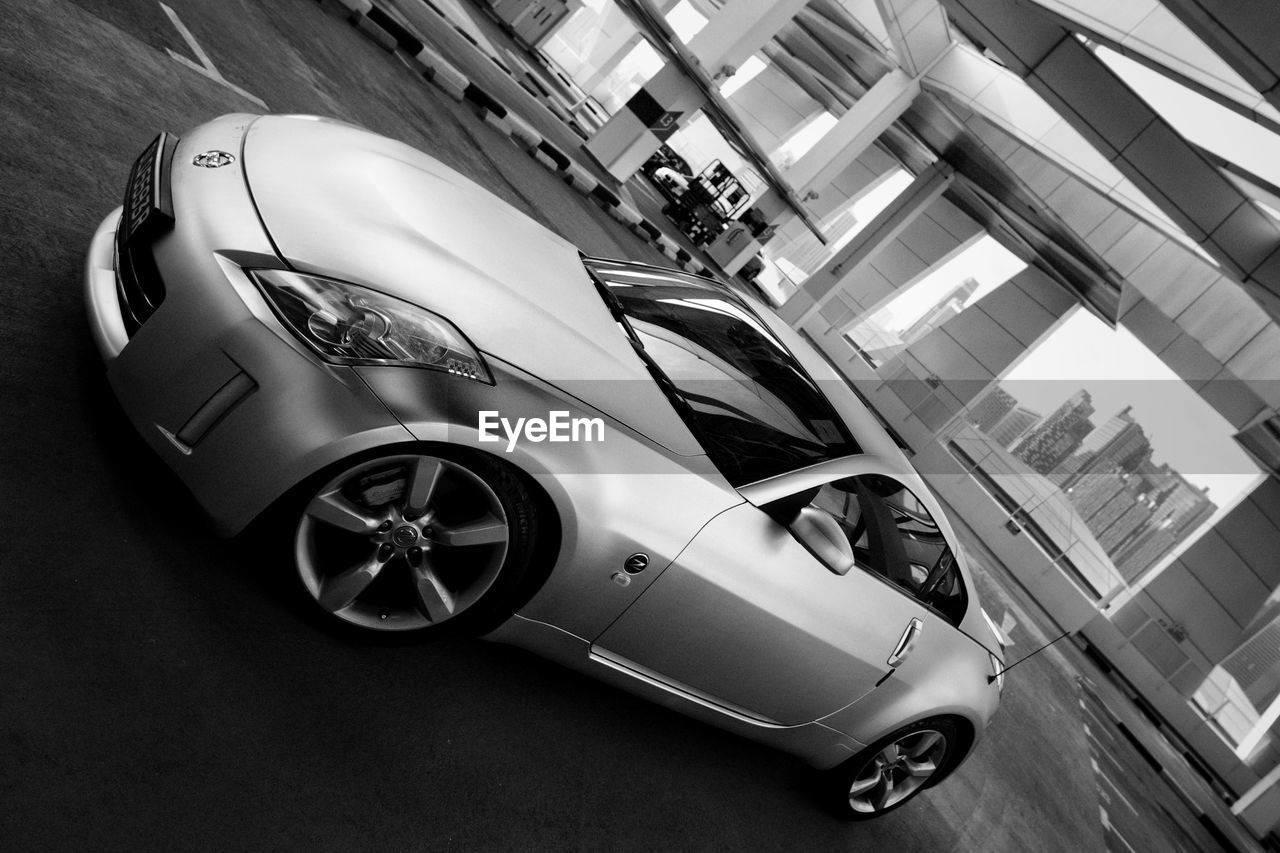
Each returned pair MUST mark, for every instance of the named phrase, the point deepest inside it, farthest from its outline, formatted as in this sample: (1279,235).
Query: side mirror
(819,533)
(786,510)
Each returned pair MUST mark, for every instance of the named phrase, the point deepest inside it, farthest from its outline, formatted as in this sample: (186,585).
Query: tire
(890,772)
(418,541)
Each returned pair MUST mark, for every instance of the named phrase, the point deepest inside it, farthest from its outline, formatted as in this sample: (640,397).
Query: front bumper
(106,323)
(229,399)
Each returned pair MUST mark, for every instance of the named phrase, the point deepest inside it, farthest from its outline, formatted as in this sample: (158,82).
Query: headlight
(997,671)
(349,324)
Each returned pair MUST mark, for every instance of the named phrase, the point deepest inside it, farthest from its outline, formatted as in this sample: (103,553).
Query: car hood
(343,202)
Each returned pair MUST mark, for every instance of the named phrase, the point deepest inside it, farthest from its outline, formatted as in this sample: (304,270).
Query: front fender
(621,495)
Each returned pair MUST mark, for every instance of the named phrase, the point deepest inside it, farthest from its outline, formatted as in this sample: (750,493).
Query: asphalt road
(160,691)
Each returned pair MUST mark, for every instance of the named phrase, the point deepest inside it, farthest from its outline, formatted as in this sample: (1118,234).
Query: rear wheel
(894,769)
(415,541)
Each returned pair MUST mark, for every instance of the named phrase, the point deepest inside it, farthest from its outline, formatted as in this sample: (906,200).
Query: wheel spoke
(424,476)
(923,769)
(334,509)
(435,601)
(884,797)
(338,592)
(890,753)
(862,786)
(925,742)
(485,531)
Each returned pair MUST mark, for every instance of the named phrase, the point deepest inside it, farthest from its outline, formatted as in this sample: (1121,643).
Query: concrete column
(607,65)
(846,263)
(739,29)
(647,120)
(972,349)
(1243,33)
(1259,808)
(856,130)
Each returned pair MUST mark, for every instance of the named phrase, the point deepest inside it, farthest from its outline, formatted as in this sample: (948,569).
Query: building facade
(1010,428)
(991,409)
(1059,436)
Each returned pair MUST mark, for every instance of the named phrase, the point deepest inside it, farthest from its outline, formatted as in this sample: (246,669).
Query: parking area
(162,691)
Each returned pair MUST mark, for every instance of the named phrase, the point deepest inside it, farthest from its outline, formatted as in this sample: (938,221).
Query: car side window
(894,535)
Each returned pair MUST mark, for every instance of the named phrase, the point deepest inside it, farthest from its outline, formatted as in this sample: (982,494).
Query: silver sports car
(466,424)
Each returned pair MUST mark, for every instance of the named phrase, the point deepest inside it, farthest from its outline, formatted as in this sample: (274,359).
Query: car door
(775,620)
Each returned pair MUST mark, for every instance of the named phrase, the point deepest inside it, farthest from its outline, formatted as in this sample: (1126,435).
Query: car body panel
(212,327)
(717,625)
(945,675)
(614,498)
(747,615)
(106,325)
(417,230)
(892,462)
(816,743)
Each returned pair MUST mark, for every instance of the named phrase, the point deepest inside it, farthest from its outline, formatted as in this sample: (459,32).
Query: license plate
(148,204)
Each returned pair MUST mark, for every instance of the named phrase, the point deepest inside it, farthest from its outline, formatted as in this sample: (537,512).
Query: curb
(388,33)
(1202,817)
(528,82)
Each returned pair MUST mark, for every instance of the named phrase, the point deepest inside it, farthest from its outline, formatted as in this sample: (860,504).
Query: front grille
(138,285)
(147,213)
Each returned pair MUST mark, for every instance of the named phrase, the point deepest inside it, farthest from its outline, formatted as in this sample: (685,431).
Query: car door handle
(907,643)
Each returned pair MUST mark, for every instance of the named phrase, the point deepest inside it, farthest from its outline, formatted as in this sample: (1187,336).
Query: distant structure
(1255,663)
(1136,509)
(988,411)
(946,308)
(877,340)
(1059,435)
(1013,426)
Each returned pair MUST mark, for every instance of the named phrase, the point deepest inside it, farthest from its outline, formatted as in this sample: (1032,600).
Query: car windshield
(744,395)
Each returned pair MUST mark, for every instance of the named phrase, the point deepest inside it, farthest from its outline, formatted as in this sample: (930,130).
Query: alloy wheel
(897,771)
(401,542)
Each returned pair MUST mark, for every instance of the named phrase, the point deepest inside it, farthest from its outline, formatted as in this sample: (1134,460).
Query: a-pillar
(845,265)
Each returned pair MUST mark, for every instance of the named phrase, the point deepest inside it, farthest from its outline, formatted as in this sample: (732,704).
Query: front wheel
(894,769)
(415,541)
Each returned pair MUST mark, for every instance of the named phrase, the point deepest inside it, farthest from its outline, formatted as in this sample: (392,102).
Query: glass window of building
(972,271)
(1114,459)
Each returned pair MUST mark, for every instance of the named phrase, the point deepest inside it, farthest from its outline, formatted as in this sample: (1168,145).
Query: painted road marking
(206,66)
(1114,761)
(1106,825)
(1102,720)
(1116,788)
(1099,729)
(1007,624)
